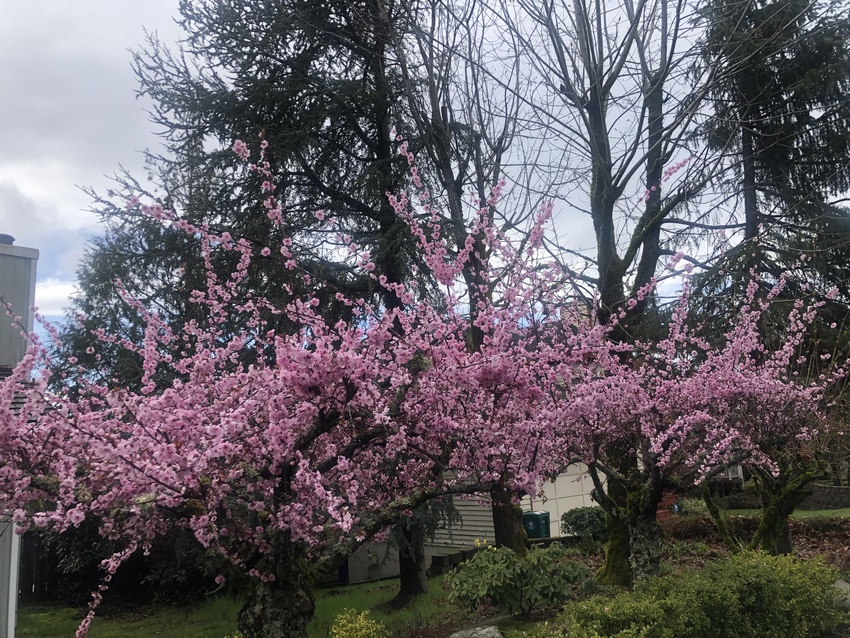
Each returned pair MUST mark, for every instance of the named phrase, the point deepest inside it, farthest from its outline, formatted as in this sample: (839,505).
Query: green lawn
(840,513)
(214,619)
(217,618)
(431,609)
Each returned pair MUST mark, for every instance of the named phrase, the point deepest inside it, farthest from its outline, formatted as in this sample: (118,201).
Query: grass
(799,514)
(214,619)
(426,611)
(217,618)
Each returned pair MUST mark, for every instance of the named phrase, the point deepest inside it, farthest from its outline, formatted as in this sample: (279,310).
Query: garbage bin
(536,524)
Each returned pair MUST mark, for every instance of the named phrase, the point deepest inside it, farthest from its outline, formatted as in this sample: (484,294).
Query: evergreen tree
(317,81)
(782,115)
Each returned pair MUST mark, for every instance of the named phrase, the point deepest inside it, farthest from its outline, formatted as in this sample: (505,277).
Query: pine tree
(782,112)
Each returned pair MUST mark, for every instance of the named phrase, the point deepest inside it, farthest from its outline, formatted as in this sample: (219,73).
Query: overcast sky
(68,118)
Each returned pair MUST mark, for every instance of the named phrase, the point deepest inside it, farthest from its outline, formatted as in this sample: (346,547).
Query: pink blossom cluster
(337,422)
(666,176)
(687,407)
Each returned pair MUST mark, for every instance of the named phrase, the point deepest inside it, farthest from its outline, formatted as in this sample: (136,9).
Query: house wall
(17,289)
(569,490)
(379,560)
(10,544)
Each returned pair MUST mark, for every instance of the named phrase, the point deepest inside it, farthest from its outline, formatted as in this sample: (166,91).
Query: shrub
(588,523)
(743,500)
(350,624)
(748,596)
(516,584)
(693,507)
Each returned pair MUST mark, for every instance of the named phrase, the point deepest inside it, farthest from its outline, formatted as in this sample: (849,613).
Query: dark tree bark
(507,521)
(780,496)
(281,608)
(633,550)
(616,569)
(412,570)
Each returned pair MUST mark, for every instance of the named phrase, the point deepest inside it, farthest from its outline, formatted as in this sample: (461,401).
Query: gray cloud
(40,225)
(69,117)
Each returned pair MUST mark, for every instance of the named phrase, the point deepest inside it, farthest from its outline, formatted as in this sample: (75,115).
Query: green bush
(588,523)
(350,624)
(516,584)
(743,500)
(692,507)
(748,596)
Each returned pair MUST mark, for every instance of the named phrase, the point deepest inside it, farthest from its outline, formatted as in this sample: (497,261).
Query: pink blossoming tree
(335,431)
(681,409)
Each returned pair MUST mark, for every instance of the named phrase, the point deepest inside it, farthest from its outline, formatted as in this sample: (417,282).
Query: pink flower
(241,149)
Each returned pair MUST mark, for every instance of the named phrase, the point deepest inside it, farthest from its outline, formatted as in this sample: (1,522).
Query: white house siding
(476,523)
(571,489)
(17,288)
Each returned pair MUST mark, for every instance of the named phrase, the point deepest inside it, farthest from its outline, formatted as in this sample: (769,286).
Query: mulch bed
(827,537)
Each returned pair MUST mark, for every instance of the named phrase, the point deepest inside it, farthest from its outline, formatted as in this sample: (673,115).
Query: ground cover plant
(213,619)
(748,595)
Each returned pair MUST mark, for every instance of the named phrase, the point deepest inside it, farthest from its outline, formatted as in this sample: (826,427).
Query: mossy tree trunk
(616,569)
(780,495)
(717,516)
(283,607)
(633,550)
(644,534)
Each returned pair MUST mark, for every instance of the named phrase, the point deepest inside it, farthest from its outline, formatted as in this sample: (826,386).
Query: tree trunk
(645,545)
(773,534)
(413,578)
(616,569)
(780,496)
(751,213)
(281,608)
(733,545)
(644,533)
(507,522)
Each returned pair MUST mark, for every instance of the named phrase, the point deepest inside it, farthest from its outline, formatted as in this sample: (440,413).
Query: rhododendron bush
(333,432)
